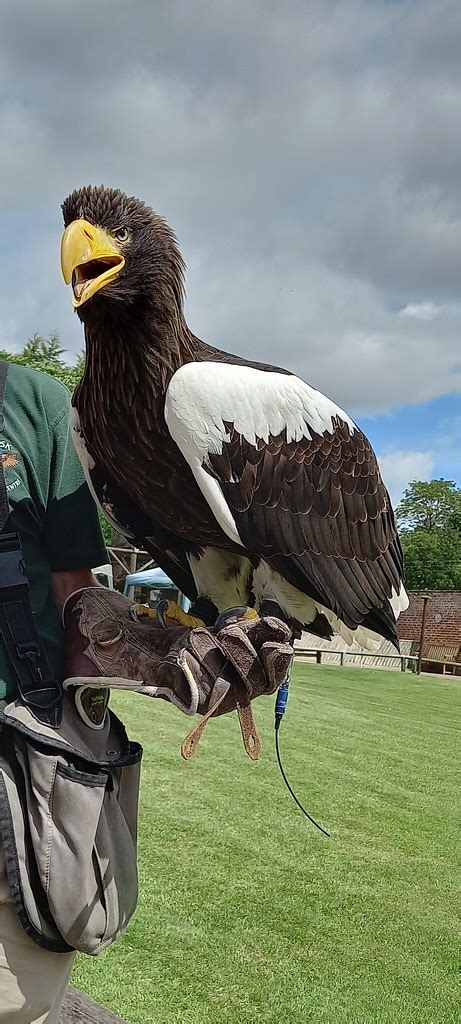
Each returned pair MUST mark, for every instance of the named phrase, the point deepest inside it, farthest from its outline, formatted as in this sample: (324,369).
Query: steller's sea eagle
(247,485)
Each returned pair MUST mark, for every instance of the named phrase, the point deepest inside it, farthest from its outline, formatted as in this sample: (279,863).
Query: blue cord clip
(282,700)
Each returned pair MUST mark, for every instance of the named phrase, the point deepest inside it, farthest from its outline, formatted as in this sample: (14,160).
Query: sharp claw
(162,611)
(142,611)
(237,614)
(170,614)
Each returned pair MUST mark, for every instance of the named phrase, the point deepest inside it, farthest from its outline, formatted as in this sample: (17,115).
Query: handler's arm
(72,532)
(63,584)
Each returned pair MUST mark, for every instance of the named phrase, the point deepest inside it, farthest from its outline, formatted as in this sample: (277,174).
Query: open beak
(89,260)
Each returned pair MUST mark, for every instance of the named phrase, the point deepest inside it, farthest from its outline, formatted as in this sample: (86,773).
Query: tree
(432,559)
(429,519)
(47,355)
(429,505)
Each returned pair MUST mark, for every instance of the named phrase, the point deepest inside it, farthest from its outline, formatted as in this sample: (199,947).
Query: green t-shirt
(52,508)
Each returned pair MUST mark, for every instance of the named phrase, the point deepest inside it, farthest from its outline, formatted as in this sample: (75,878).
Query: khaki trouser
(33,982)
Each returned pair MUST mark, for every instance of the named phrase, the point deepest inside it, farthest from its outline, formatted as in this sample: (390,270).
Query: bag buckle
(30,652)
(12,568)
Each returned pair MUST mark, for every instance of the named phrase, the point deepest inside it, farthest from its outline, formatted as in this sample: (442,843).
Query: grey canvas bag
(68,821)
(68,790)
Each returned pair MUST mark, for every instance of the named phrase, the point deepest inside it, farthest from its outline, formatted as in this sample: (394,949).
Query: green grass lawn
(247,915)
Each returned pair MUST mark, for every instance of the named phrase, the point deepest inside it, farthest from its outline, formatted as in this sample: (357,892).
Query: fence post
(426,598)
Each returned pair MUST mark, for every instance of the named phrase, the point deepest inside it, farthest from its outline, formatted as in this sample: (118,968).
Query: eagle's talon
(241,613)
(142,611)
(171,614)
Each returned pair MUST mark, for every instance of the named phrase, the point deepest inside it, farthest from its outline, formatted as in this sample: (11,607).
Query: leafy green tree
(432,559)
(106,530)
(429,519)
(429,504)
(46,354)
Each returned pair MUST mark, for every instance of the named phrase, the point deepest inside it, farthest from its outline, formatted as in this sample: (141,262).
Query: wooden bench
(78,1009)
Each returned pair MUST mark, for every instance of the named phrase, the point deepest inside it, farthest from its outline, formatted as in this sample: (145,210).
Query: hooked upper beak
(89,260)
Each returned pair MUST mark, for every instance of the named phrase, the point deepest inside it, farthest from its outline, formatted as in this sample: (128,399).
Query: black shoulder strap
(3,376)
(18,631)
(4,504)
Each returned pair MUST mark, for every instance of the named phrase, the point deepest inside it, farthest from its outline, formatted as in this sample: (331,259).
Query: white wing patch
(212,492)
(202,397)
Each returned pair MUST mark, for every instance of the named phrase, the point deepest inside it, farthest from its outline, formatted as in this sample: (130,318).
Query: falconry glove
(210,671)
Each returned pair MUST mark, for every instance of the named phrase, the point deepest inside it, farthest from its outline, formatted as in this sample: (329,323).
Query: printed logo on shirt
(10,459)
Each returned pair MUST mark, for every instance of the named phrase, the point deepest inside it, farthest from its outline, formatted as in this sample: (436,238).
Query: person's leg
(33,982)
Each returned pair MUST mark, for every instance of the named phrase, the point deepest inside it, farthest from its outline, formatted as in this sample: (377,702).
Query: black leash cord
(290,790)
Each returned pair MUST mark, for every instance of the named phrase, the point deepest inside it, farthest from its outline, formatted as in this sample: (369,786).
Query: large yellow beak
(89,259)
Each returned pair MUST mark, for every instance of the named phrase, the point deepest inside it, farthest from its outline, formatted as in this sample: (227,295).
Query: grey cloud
(307,155)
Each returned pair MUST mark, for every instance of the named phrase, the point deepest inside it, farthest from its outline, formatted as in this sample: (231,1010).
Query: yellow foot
(176,616)
(250,614)
(239,614)
(168,613)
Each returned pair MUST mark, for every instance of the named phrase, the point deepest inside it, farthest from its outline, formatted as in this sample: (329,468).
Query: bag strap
(3,376)
(37,687)
(4,503)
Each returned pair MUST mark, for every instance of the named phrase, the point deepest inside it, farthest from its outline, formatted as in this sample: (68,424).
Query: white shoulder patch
(202,397)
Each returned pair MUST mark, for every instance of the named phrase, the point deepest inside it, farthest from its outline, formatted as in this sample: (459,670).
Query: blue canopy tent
(154,580)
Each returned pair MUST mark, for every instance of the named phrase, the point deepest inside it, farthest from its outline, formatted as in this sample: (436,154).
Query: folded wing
(290,477)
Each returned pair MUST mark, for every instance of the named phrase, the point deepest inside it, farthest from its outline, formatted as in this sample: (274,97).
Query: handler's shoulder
(38,388)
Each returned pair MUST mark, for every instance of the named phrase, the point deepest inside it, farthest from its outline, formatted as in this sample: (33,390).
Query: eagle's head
(115,250)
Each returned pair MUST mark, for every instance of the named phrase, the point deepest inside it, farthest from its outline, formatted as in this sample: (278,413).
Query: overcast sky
(307,154)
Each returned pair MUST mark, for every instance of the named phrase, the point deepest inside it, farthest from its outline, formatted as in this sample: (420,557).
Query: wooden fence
(127,558)
(314,652)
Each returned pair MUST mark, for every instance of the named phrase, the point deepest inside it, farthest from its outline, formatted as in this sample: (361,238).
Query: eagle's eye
(121,234)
